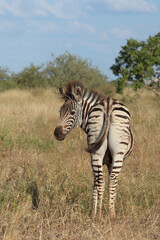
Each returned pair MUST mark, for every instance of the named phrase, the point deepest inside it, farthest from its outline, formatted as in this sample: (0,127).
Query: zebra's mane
(71,86)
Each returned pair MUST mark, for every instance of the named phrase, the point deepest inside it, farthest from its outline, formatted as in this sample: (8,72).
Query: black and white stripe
(106,122)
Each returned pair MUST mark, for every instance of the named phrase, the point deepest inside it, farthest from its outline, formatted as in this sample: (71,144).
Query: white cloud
(71,9)
(75,26)
(43,27)
(40,12)
(90,8)
(15,7)
(48,27)
(65,9)
(121,33)
(128,5)
(7,25)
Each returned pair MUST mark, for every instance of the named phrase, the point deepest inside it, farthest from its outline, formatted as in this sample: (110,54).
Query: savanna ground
(46,185)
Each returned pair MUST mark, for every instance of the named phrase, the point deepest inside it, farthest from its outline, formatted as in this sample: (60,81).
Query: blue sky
(31,30)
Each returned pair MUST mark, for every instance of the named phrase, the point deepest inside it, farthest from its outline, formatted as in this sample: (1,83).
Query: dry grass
(46,186)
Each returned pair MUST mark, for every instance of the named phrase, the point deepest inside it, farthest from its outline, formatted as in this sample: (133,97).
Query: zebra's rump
(131,143)
(120,118)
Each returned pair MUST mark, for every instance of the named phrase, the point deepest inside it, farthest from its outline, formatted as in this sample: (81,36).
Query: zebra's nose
(58,133)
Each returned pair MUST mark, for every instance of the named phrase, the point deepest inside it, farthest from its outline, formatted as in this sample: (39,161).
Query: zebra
(106,121)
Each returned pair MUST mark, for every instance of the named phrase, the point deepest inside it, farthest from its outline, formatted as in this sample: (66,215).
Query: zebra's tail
(92,148)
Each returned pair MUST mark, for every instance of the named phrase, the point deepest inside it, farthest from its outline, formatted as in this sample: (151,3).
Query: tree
(6,79)
(153,44)
(137,61)
(4,73)
(31,77)
(68,67)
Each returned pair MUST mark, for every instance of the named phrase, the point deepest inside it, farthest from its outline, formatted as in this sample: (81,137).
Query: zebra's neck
(90,101)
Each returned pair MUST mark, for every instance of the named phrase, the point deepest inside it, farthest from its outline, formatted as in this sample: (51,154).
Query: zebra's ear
(61,91)
(78,93)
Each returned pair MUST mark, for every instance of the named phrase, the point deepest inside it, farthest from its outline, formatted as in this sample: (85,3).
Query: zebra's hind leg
(112,182)
(99,185)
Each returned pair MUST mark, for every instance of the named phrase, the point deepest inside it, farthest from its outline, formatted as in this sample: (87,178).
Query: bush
(7,84)
(31,77)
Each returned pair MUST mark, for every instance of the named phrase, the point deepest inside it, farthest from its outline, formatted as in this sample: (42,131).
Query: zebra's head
(71,110)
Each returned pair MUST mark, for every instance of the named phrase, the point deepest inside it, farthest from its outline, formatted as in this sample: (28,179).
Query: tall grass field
(46,185)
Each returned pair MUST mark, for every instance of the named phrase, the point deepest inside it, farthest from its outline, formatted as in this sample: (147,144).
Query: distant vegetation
(138,63)
(60,70)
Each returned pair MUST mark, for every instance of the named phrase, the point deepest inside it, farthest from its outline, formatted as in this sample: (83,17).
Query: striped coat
(106,122)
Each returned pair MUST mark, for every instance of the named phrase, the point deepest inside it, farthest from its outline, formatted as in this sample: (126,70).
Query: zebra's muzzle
(58,133)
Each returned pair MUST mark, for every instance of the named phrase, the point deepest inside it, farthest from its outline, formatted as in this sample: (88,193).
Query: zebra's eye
(73,112)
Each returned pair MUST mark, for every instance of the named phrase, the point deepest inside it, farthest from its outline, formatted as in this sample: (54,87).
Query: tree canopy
(68,67)
(31,77)
(137,62)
